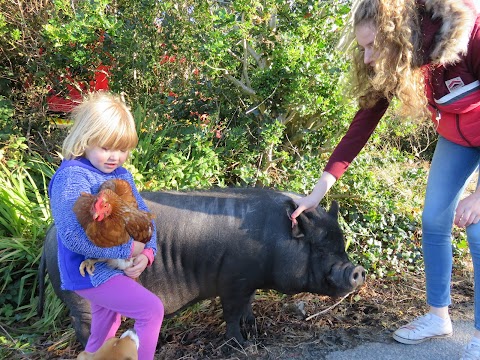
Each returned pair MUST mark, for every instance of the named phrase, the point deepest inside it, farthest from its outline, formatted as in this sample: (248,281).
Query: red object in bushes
(65,103)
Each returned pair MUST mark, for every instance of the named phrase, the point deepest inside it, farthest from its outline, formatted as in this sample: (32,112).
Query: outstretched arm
(313,199)
(360,130)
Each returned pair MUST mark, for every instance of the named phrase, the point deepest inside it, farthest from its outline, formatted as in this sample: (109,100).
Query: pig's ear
(297,225)
(297,231)
(303,221)
(333,211)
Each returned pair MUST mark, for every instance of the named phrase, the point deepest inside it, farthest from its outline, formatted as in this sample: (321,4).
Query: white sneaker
(472,352)
(426,327)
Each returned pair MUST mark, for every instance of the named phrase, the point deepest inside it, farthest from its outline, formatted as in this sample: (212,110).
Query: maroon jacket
(453,91)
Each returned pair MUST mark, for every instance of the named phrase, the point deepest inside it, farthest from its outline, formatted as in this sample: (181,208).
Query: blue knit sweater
(71,178)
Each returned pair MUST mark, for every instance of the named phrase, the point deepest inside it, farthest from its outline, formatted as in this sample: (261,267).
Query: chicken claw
(89,265)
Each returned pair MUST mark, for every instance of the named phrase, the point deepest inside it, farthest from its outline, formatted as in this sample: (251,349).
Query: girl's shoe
(472,352)
(426,327)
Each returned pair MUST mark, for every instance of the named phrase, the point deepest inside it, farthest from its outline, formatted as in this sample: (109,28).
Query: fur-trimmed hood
(451,39)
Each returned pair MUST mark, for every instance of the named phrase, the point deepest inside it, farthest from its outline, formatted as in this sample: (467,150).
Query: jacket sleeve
(65,190)
(152,244)
(360,130)
(473,56)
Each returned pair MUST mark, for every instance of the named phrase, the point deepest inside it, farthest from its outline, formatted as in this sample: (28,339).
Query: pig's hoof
(233,345)
(248,319)
(236,341)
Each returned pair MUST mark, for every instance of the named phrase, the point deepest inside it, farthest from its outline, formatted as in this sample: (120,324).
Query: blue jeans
(451,168)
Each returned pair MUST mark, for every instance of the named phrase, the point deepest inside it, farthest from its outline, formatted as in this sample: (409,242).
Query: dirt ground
(302,326)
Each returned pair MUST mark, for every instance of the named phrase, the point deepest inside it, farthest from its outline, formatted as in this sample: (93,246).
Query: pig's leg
(234,309)
(247,324)
(247,313)
(80,315)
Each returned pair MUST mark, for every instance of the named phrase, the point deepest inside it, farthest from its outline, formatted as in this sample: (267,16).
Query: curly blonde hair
(397,43)
(103,120)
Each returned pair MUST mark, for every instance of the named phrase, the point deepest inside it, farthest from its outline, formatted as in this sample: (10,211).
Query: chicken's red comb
(99,213)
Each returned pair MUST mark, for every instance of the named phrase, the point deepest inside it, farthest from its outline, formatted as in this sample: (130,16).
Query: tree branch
(258,58)
(244,88)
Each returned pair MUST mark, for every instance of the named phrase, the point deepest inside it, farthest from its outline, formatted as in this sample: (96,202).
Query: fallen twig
(237,347)
(7,334)
(11,339)
(327,309)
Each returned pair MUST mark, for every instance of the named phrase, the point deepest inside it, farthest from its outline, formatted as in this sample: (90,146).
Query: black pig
(228,243)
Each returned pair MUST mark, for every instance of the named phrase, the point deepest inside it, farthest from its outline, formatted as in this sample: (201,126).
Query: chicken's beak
(98,216)
(98,211)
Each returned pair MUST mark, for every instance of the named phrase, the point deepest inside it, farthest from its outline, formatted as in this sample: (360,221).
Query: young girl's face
(106,160)
(365,34)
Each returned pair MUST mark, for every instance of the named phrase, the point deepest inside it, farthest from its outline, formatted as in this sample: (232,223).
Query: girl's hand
(468,210)
(305,203)
(140,262)
(311,201)
(137,248)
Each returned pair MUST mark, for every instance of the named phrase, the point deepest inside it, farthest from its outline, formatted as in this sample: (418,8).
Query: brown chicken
(110,218)
(122,188)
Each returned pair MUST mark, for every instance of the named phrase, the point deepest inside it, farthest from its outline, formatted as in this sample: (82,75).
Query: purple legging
(123,296)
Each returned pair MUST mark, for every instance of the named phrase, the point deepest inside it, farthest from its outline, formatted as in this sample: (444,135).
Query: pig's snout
(346,276)
(357,276)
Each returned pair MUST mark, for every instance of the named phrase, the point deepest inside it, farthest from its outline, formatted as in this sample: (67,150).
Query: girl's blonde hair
(397,43)
(103,120)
